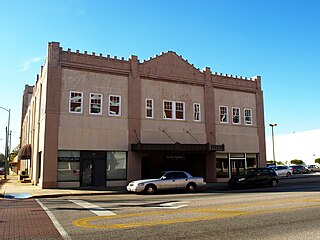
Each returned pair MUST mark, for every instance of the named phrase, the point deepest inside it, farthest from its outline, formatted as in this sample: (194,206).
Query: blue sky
(278,40)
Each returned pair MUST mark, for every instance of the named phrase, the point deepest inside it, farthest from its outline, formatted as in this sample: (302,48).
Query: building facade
(95,121)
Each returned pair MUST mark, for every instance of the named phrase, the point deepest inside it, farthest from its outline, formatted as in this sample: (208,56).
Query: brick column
(210,125)
(134,119)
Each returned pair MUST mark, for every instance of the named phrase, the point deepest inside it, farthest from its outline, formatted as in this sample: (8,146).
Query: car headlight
(241,179)
(140,184)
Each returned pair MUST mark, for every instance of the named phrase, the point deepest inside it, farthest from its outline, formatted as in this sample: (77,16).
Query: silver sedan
(169,180)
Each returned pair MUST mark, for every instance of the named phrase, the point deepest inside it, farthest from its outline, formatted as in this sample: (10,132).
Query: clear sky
(278,40)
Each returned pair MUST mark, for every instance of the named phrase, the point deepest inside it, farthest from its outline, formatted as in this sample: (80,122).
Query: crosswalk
(99,211)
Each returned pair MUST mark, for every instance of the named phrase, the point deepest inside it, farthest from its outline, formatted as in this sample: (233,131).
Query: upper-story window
(247,116)
(75,102)
(173,110)
(196,112)
(236,115)
(223,112)
(95,103)
(149,108)
(114,105)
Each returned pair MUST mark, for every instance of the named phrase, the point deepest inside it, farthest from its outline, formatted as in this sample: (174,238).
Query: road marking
(93,208)
(170,205)
(210,213)
(55,222)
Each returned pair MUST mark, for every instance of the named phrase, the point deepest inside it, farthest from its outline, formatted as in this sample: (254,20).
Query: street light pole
(274,156)
(7,153)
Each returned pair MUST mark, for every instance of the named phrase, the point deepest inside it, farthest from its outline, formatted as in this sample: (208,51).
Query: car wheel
(150,189)
(274,183)
(288,174)
(191,187)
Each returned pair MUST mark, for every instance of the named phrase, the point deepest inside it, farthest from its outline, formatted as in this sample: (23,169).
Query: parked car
(255,176)
(168,180)
(297,169)
(282,171)
(1,171)
(313,168)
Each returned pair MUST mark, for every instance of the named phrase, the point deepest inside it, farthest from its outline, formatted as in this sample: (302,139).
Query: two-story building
(96,120)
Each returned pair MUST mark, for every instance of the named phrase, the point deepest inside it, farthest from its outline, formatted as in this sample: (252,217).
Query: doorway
(93,170)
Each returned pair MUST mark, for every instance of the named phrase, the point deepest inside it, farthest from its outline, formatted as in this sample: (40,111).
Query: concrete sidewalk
(12,187)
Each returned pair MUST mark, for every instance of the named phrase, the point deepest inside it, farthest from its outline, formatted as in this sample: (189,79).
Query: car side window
(170,175)
(181,175)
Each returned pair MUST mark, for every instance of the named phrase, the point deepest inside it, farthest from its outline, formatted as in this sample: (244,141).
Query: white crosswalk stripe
(93,208)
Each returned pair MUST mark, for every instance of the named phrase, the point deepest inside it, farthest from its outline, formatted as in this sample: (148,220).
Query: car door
(168,181)
(181,180)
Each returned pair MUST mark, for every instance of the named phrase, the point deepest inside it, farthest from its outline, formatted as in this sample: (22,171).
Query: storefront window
(222,166)
(116,165)
(68,166)
(251,160)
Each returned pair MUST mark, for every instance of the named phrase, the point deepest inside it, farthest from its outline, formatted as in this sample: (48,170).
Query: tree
(296,161)
(317,160)
(2,159)
(14,153)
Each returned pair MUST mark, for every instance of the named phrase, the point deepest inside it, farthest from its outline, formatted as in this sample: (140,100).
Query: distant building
(297,145)
(103,121)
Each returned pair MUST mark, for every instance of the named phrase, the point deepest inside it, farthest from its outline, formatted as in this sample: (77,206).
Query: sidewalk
(13,188)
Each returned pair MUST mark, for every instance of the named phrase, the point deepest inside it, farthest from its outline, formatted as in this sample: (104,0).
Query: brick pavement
(25,219)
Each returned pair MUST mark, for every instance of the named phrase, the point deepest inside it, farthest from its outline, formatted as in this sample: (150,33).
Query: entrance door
(237,166)
(93,172)
(86,172)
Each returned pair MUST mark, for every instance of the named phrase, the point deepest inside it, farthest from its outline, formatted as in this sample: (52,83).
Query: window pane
(223,115)
(95,103)
(149,108)
(222,168)
(167,109)
(75,102)
(179,110)
(236,115)
(68,171)
(248,116)
(116,165)
(114,105)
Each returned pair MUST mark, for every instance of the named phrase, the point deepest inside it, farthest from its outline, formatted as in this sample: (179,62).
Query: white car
(168,180)
(282,171)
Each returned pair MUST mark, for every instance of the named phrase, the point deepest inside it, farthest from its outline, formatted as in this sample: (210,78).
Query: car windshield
(248,172)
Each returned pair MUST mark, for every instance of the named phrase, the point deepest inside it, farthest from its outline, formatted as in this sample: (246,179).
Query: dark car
(296,169)
(255,177)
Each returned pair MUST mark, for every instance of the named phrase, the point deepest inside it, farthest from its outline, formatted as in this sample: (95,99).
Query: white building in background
(297,145)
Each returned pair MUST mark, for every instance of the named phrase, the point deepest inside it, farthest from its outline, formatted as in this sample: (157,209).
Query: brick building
(101,121)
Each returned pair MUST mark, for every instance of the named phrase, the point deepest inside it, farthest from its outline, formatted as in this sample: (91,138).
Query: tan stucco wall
(151,129)
(93,132)
(237,138)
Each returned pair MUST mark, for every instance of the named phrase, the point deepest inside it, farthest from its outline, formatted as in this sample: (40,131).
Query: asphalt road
(289,211)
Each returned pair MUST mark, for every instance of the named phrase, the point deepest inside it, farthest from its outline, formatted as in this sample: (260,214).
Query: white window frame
(245,116)
(100,105)
(226,115)
(174,109)
(234,115)
(149,107)
(109,105)
(196,112)
(81,102)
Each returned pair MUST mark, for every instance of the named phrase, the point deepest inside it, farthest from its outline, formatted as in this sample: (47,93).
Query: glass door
(86,170)
(237,166)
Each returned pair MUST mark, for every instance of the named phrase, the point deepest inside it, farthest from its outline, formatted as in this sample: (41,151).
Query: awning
(25,152)
(177,147)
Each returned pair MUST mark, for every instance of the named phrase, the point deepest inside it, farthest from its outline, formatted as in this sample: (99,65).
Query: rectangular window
(223,114)
(149,108)
(196,112)
(180,110)
(236,115)
(95,103)
(75,102)
(116,165)
(167,109)
(247,116)
(68,169)
(114,105)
